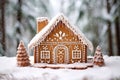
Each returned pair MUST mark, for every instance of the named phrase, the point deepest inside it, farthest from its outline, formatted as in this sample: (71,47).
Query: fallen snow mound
(9,71)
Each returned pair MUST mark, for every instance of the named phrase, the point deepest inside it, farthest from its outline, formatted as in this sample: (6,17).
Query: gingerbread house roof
(51,25)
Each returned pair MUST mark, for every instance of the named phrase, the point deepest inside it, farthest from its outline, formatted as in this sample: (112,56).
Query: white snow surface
(40,19)
(10,71)
(51,25)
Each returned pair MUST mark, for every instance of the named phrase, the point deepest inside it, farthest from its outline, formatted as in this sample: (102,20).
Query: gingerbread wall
(61,46)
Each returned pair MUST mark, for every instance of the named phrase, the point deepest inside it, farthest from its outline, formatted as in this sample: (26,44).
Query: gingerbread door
(61,55)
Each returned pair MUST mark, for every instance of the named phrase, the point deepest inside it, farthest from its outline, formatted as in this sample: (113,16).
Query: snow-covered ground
(9,71)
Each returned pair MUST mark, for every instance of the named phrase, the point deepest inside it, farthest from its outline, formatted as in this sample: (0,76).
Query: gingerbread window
(45,54)
(76,54)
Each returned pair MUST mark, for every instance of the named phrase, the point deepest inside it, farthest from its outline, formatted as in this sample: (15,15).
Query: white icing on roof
(40,19)
(51,25)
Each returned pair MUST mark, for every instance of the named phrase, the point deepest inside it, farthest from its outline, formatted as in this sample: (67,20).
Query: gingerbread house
(58,42)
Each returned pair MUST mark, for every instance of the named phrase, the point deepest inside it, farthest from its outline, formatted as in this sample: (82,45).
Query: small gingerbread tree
(98,57)
(22,56)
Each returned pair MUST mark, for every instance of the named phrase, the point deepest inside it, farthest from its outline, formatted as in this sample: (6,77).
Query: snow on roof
(51,25)
(40,19)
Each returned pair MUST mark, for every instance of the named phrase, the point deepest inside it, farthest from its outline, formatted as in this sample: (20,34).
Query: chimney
(41,23)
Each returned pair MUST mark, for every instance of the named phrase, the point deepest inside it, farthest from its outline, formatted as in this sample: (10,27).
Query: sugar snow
(9,71)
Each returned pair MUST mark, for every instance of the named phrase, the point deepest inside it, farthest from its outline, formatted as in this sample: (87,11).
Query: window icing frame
(45,54)
(75,54)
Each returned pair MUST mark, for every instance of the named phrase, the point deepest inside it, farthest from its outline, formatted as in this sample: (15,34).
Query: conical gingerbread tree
(22,56)
(98,57)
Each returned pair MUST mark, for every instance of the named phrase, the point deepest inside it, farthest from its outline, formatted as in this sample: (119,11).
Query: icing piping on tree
(22,56)
(98,57)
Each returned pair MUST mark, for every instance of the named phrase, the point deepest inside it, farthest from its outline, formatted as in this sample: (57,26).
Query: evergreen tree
(22,56)
(98,57)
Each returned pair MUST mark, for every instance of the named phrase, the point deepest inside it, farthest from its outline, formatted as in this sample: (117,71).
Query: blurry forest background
(99,20)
